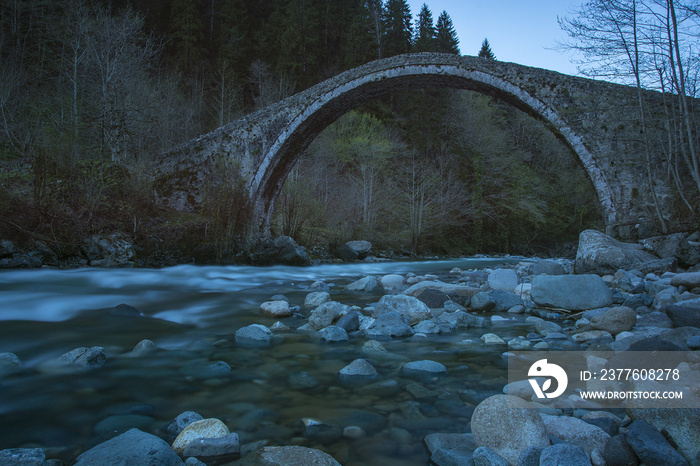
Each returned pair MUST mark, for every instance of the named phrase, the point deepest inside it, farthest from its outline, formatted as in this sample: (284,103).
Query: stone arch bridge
(598,121)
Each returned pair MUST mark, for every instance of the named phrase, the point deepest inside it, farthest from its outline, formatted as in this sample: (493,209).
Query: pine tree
(486,51)
(446,37)
(425,31)
(398,30)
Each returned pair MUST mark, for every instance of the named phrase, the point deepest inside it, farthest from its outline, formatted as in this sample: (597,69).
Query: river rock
(484,456)
(674,245)
(367,284)
(275,309)
(547,267)
(616,320)
(349,322)
(458,293)
(575,431)
(354,250)
(288,456)
(79,359)
(23,457)
(600,254)
(388,325)
(424,371)
(482,302)
(432,298)
(283,250)
(409,307)
(584,337)
(571,292)
(659,267)
(131,447)
(654,320)
(685,313)
(206,428)
(327,313)
(9,363)
(333,333)
(650,446)
(178,424)
(544,327)
(503,279)
(214,450)
(358,372)
(393,282)
(618,452)
(682,426)
(315,299)
(114,250)
(492,339)
(562,453)
(628,281)
(321,432)
(505,424)
(302,381)
(450,449)
(7,248)
(689,280)
(253,336)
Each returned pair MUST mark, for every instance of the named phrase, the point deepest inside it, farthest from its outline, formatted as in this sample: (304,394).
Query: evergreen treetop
(486,51)
(446,40)
(425,31)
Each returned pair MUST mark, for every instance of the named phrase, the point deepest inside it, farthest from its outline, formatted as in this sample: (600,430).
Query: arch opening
(346,96)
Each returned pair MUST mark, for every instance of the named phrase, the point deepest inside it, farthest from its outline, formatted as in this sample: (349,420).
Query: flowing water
(191,313)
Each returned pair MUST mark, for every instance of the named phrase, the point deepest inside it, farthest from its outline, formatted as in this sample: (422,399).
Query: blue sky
(518,30)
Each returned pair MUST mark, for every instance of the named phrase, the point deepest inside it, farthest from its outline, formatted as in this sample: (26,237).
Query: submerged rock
(289,455)
(358,372)
(253,336)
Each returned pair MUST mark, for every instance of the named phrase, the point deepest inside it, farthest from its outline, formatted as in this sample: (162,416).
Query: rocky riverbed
(393,363)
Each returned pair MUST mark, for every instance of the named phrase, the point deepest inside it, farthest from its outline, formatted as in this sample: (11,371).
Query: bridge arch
(325,102)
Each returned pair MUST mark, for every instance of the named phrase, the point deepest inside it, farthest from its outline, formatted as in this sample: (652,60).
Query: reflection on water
(191,314)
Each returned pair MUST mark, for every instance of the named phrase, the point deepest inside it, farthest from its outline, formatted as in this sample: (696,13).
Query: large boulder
(131,447)
(283,250)
(674,245)
(571,292)
(115,250)
(353,250)
(507,425)
(413,309)
(600,254)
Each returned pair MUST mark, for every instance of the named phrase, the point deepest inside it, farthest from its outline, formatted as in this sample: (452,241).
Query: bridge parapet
(599,121)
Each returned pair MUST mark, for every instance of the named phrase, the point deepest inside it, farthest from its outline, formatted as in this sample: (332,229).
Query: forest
(92,91)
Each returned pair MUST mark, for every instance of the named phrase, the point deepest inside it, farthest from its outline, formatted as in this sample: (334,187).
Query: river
(191,313)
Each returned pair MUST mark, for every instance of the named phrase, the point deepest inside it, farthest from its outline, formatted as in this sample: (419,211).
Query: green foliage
(398,30)
(425,31)
(486,51)
(446,40)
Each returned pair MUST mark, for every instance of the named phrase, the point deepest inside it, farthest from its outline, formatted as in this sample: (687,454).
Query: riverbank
(370,363)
